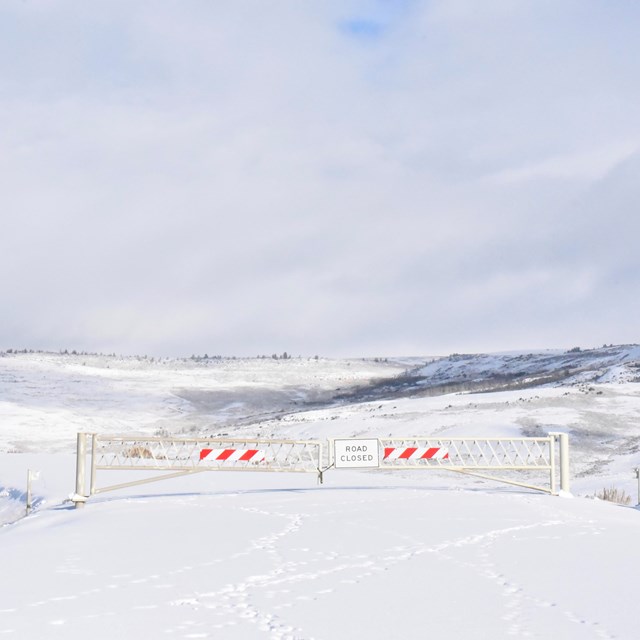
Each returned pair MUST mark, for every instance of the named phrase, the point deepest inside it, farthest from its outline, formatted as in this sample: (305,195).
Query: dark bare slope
(479,373)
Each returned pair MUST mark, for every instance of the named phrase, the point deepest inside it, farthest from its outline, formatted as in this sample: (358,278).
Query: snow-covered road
(375,555)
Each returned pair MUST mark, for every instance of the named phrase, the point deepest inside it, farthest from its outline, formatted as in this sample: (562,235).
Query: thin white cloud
(588,165)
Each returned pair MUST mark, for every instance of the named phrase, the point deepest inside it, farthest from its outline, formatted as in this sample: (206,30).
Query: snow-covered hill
(521,370)
(373,554)
(46,398)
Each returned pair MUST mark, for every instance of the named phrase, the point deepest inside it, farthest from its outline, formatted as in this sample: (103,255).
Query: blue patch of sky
(111,59)
(363,28)
(375,18)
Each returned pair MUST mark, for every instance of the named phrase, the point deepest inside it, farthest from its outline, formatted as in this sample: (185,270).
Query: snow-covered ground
(371,554)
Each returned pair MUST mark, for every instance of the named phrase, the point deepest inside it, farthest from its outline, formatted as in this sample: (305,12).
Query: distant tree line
(193,358)
(62,352)
(205,357)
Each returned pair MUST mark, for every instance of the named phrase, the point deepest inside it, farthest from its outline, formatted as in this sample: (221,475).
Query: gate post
(564,462)
(79,497)
(563,439)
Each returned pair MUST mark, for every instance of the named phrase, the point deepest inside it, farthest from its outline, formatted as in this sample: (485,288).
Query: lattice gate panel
(207,454)
(468,453)
(523,460)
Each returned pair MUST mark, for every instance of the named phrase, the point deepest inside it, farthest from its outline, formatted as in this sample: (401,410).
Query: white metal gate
(183,456)
(173,457)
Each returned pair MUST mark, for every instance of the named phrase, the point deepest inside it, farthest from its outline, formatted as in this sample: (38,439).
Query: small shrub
(138,452)
(613,494)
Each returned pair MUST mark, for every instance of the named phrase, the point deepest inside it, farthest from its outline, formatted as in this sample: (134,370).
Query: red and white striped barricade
(415,453)
(232,455)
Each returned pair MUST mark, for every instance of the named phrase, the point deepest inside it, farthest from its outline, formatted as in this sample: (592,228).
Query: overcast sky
(342,178)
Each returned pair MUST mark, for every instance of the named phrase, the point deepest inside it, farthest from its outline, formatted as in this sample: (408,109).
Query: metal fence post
(552,464)
(29,478)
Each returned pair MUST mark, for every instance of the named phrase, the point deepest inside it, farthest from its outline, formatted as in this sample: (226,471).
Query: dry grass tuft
(613,494)
(138,452)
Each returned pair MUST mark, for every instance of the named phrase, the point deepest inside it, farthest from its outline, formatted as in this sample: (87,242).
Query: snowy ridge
(534,369)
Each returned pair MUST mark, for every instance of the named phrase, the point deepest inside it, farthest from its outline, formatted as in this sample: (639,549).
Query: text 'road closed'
(356,453)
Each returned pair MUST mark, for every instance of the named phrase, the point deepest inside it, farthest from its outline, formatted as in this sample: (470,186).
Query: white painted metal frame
(183,456)
(473,455)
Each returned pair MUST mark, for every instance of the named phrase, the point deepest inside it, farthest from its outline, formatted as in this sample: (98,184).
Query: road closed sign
(356,453)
